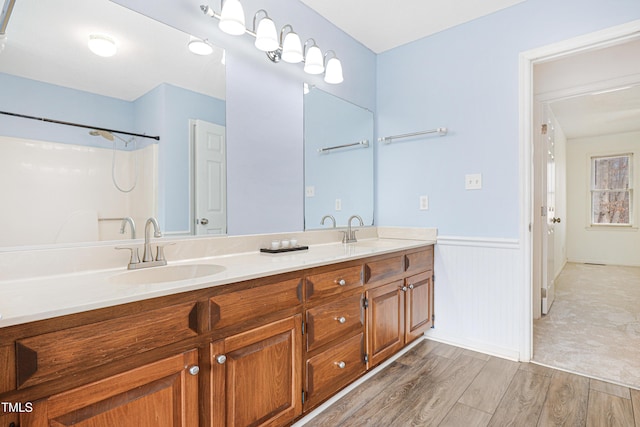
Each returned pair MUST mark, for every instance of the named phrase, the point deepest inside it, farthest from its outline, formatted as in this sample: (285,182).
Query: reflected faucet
(333,220)
(132,225)
(148,254)
(350,234)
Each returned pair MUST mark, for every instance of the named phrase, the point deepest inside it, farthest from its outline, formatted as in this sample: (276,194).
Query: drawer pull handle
(341,282)
(341,365)
(342,319)
(194,370)
(221,359)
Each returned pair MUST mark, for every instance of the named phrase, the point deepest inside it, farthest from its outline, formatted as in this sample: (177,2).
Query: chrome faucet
(147,259)
(148,254)
(350,234)
(333,220)
(132,225)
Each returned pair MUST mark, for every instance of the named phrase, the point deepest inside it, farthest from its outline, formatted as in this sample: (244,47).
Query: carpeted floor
(593,327)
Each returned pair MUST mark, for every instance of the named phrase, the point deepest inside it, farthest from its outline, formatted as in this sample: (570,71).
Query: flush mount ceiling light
(287,48)
(199,46)
(102,45)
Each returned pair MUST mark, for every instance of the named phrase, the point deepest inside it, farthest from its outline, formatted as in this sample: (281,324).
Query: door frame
(527,60)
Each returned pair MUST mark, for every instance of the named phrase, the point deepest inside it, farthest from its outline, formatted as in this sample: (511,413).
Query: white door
(548,169)
(210,178)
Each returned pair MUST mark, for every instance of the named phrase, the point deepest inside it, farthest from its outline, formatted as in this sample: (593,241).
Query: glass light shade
(267,36)
(232,18)
(200,47)
(313,63)
(102,45)
(333,74)
(292,48)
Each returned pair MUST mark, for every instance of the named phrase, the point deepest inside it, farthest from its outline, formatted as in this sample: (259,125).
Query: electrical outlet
(310,191)
(338,204)
(424,203)
(473,181)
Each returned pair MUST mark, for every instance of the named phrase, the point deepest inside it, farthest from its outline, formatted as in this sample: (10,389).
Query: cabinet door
(256,376)
(419,305)
(385,321)
(162,393)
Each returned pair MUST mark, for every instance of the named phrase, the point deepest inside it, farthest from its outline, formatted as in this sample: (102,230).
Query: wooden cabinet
(162,393)
(402,310)
(256,376)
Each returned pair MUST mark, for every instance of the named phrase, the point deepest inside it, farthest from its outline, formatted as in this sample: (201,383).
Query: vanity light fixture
(333,69)
(288,48)
(313,63)
(199,46)
(102,45)
(266,34)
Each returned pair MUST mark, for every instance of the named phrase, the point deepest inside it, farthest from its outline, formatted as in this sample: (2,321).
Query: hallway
(593,327)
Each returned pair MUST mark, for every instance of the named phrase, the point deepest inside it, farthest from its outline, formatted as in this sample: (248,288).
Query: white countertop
(30,299)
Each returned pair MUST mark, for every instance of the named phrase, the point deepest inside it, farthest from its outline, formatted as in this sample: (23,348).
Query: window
(611,192)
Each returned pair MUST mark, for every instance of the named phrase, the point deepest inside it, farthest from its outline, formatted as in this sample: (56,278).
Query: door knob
(555,220)
(203,221)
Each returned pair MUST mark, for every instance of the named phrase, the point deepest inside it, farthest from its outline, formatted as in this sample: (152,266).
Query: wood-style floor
(435,384)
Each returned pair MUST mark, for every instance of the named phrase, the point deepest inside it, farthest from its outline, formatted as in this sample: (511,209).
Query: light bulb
(232,18)
(333,74)
(313,63)
(267,36)
(200,47)
(292,48)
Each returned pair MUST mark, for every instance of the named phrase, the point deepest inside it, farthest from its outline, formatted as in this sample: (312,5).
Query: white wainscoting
(477,292)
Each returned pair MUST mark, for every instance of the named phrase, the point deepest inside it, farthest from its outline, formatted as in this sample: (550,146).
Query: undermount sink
(168,273)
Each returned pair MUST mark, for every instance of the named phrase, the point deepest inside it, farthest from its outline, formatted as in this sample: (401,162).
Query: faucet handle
(160,251)
(135,257)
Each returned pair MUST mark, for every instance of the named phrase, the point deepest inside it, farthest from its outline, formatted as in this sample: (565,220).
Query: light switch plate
(424,203)
(473,181)
(338,204)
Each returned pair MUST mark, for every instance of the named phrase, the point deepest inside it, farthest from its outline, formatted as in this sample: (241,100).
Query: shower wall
(62,193)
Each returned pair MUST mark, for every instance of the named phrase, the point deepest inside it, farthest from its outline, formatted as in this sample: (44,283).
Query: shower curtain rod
(42,119)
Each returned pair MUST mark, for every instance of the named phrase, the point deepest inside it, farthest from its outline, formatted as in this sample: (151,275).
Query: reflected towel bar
(364,143)
(42,119)
(388,139)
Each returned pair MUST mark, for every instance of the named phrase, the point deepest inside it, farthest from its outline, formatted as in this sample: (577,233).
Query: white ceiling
(382,25)
(47,41)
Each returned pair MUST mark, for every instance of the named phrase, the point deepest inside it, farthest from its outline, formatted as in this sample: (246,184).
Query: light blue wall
(466,79)
(33,98)
(264,106)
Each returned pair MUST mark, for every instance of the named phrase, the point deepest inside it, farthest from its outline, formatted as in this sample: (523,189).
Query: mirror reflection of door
(548,230)
(209,178)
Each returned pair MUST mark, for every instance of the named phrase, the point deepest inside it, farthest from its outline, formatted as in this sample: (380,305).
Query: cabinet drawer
(333,369)
(333,282)
(236,307)
(328,322)
(66,352)
(419,261)
(384,269)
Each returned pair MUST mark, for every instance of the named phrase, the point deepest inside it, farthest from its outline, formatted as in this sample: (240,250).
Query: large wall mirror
(63,184)
(338,160)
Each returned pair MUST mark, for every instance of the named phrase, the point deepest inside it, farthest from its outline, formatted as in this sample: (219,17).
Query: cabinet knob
(194,370)
(410,286)
(341,365)
(342,319)
(221,359)
(341,282)
(403,289)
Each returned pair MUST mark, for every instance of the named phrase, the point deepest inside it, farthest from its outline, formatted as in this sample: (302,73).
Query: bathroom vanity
(262,342)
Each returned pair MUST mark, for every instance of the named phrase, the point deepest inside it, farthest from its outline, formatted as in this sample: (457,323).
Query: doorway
(532,104)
